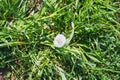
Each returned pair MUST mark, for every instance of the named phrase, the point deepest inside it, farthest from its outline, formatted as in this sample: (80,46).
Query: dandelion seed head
(38,63)
(59,40)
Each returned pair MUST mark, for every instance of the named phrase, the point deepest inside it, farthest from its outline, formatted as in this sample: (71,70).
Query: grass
(28,29)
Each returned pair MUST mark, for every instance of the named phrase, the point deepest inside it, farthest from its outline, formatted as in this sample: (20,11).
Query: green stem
(104,69)
(71,35)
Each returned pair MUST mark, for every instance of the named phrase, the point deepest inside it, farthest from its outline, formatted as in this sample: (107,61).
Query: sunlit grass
(92,30)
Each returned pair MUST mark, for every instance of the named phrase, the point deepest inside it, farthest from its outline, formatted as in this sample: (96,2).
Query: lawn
(60,39)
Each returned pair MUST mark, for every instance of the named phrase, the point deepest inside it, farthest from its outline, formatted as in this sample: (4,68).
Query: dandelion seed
(38,63)
(59,40)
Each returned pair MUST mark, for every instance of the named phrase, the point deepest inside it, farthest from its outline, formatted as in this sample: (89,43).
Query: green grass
(27,33)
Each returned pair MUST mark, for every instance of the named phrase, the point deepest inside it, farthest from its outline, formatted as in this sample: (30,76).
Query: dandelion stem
(71,35)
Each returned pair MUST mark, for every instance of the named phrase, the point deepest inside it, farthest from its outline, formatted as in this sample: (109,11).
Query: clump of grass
(27,50)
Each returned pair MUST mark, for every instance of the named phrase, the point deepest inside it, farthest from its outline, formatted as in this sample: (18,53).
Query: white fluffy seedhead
(59,40)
